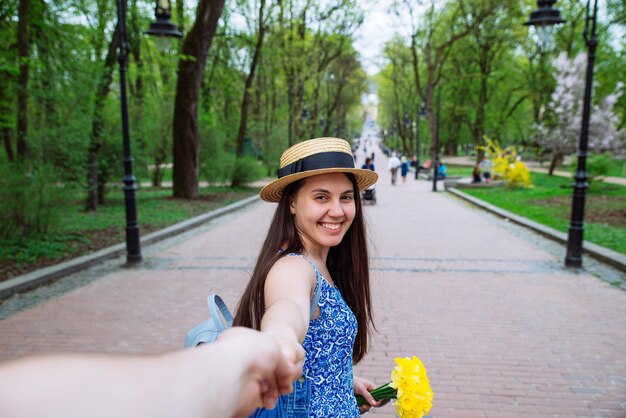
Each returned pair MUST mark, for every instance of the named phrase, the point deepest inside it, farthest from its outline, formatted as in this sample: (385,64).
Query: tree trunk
(245,102)
(23,52)
(450,148)
(556,157)
(190,72)
(97,124)
(5,111)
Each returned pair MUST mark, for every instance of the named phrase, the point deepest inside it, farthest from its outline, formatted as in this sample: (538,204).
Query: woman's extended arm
(288,290)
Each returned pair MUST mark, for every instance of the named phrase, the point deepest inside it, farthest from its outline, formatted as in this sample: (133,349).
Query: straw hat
(314,157)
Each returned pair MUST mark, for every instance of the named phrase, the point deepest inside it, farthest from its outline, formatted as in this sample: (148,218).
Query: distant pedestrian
(394,163)
(404,168)
(485,166)
(369,165)
(442,171)
(476,174)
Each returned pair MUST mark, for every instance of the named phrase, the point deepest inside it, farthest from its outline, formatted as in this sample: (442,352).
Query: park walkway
(503,329)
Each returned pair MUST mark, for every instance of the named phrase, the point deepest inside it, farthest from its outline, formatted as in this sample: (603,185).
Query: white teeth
(332,227)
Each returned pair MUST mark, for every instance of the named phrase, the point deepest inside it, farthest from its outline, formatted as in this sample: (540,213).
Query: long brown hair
(348,264)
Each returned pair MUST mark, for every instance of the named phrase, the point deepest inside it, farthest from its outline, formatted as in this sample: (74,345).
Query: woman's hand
(362,387)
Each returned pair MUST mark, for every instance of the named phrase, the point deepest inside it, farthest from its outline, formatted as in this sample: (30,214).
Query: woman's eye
(320,197)
(348,197)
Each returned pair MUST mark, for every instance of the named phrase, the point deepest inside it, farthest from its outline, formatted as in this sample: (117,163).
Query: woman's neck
(316,252)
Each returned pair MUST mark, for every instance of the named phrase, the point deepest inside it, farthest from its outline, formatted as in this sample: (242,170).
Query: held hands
(362,387)
(269,367)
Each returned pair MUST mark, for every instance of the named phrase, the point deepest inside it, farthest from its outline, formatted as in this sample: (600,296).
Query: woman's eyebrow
(328,191)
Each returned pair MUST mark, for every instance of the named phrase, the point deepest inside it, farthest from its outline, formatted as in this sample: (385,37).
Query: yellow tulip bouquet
(409,386)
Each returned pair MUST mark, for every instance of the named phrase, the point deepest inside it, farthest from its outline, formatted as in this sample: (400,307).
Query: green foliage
(32,201)
(599,164)
(604,165)
(246,170)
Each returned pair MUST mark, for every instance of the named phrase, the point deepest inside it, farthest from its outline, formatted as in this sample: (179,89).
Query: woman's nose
(335,209)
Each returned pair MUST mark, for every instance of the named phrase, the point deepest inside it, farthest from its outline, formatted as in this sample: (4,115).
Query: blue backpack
(208,331)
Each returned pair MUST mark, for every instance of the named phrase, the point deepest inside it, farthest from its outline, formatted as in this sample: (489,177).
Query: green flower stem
(381,393)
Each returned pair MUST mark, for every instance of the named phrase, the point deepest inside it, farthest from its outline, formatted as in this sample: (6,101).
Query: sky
(378,27)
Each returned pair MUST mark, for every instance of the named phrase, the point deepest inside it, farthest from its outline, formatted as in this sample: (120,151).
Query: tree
(190,74)
(562,127)
(489,23)
(245,102)
(23,52)
(432,38)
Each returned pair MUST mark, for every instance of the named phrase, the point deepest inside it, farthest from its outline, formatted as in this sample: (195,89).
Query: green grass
(549,203)
(82,232)
(458,170)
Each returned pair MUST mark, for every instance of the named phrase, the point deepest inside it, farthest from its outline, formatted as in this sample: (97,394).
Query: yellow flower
(414,395)
(409,386)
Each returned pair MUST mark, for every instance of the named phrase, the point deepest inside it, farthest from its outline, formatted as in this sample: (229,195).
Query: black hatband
(317,162)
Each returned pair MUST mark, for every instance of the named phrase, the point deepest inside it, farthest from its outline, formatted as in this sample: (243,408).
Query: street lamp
(163,30)
(436,150)
(133,245)
(543,20)
(576,227)
(407,125)
(421,112)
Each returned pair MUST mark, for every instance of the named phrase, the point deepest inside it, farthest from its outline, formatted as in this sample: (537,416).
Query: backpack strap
(216,306)
(318,288)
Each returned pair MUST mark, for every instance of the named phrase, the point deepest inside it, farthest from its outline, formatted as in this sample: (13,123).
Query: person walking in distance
(394,163)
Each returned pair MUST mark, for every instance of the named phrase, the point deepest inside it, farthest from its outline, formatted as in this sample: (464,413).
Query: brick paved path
(503,329)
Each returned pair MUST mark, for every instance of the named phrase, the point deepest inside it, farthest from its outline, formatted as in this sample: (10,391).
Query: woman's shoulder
(291,265)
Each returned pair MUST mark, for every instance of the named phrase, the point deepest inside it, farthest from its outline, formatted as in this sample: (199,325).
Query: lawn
(459,170)
(549,202)
(80,232)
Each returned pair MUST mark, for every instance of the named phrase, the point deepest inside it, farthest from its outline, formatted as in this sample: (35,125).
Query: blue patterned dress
(329,344)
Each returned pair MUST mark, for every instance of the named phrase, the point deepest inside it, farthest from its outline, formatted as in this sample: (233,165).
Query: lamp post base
(573,261)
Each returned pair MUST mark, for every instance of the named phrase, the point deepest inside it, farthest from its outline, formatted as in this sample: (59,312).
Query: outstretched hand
(268,368)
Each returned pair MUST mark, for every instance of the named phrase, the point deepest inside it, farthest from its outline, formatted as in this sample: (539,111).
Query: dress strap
(318,290)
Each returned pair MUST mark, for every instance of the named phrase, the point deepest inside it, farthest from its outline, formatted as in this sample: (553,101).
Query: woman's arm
(243,370)
(288,289)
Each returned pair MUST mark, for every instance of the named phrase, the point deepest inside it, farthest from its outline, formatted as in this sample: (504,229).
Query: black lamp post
(421,112)
(576,227)
(133,245)
(436,150)
(407,124)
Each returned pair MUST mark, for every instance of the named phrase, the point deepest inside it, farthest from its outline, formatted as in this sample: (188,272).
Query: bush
(507,164)
(32,200)
(599,165)
(218,167)
(246,170)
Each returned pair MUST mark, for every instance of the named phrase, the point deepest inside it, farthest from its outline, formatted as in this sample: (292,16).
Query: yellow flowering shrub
(507,164)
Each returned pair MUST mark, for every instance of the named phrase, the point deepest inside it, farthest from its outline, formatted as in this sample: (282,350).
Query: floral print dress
(329,345)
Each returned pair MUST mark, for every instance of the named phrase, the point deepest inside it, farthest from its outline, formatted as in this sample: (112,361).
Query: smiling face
(323,210)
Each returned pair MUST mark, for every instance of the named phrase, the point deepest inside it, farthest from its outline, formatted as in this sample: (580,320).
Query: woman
(316,240)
